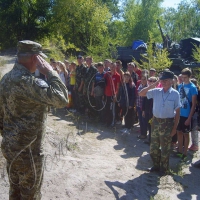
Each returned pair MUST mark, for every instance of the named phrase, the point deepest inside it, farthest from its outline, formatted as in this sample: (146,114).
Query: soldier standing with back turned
(24,100)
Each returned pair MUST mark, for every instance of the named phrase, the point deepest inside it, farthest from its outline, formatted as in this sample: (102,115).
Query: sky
(171,3)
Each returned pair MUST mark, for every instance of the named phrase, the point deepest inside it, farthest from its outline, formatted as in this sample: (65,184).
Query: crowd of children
(109,94)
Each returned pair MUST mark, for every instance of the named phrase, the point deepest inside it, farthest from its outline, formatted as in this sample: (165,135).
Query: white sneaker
(118,122)
(127,131)
(72,110)
(122,130)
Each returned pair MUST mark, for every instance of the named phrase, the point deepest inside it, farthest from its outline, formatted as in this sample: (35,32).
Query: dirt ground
(87,161)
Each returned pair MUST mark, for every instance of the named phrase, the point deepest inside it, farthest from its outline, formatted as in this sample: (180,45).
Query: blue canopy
(138,43)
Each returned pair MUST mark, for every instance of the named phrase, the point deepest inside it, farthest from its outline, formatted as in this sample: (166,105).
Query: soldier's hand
(43,66)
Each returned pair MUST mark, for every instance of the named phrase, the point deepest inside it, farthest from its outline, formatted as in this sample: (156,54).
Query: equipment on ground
(179,53)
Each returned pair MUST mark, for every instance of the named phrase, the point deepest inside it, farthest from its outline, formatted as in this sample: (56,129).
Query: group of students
(105,92)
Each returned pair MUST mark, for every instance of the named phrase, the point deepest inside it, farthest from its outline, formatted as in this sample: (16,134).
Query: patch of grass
(159,197)
(72,146)
(178,170)
(2,62)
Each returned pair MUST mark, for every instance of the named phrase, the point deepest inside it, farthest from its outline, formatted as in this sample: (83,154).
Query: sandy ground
(87,161)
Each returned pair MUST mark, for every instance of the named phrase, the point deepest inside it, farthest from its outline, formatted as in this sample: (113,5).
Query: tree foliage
(112,5)
(196,53)
(23,19)
(184,21)
(95,27)
(81,22)
(156,58)
(139,18)
(196,56)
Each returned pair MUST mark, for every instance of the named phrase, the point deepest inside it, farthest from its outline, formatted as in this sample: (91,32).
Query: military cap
(167,74)
(79,56)
(73,63)
(110,61)
(27,46)
(152,69)
(99,64)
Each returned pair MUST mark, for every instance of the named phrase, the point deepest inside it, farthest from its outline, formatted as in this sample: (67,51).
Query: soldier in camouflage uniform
(24,100)
(80,75)
(166,114)
(89,79)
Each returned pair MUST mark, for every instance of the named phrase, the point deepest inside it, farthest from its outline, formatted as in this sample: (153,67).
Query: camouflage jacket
(80,74)
(89,78)
(24,100)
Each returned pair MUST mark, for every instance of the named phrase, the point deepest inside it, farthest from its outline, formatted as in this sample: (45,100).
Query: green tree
(81,22)
(115,31)
(196,56)
(106,49)
(112,5)
(196,53)
(23,19)
(184,21)
(139,18)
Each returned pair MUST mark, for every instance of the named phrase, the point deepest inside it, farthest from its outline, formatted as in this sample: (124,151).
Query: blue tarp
(138,43)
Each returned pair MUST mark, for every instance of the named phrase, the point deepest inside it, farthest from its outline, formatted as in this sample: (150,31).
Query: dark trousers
(80,102)
(109,111)
(135,117)
(128,117)
(147,126)
(100,108)
(118,116)
(142,122)
(71,89)
(90,104)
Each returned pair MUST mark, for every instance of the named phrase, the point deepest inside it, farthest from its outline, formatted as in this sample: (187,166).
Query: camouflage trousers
(80,101)
(25,177)
(161,142)
(89,102)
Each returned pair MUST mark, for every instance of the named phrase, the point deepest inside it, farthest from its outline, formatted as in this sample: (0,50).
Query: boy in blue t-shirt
(188,96)
(98,91)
